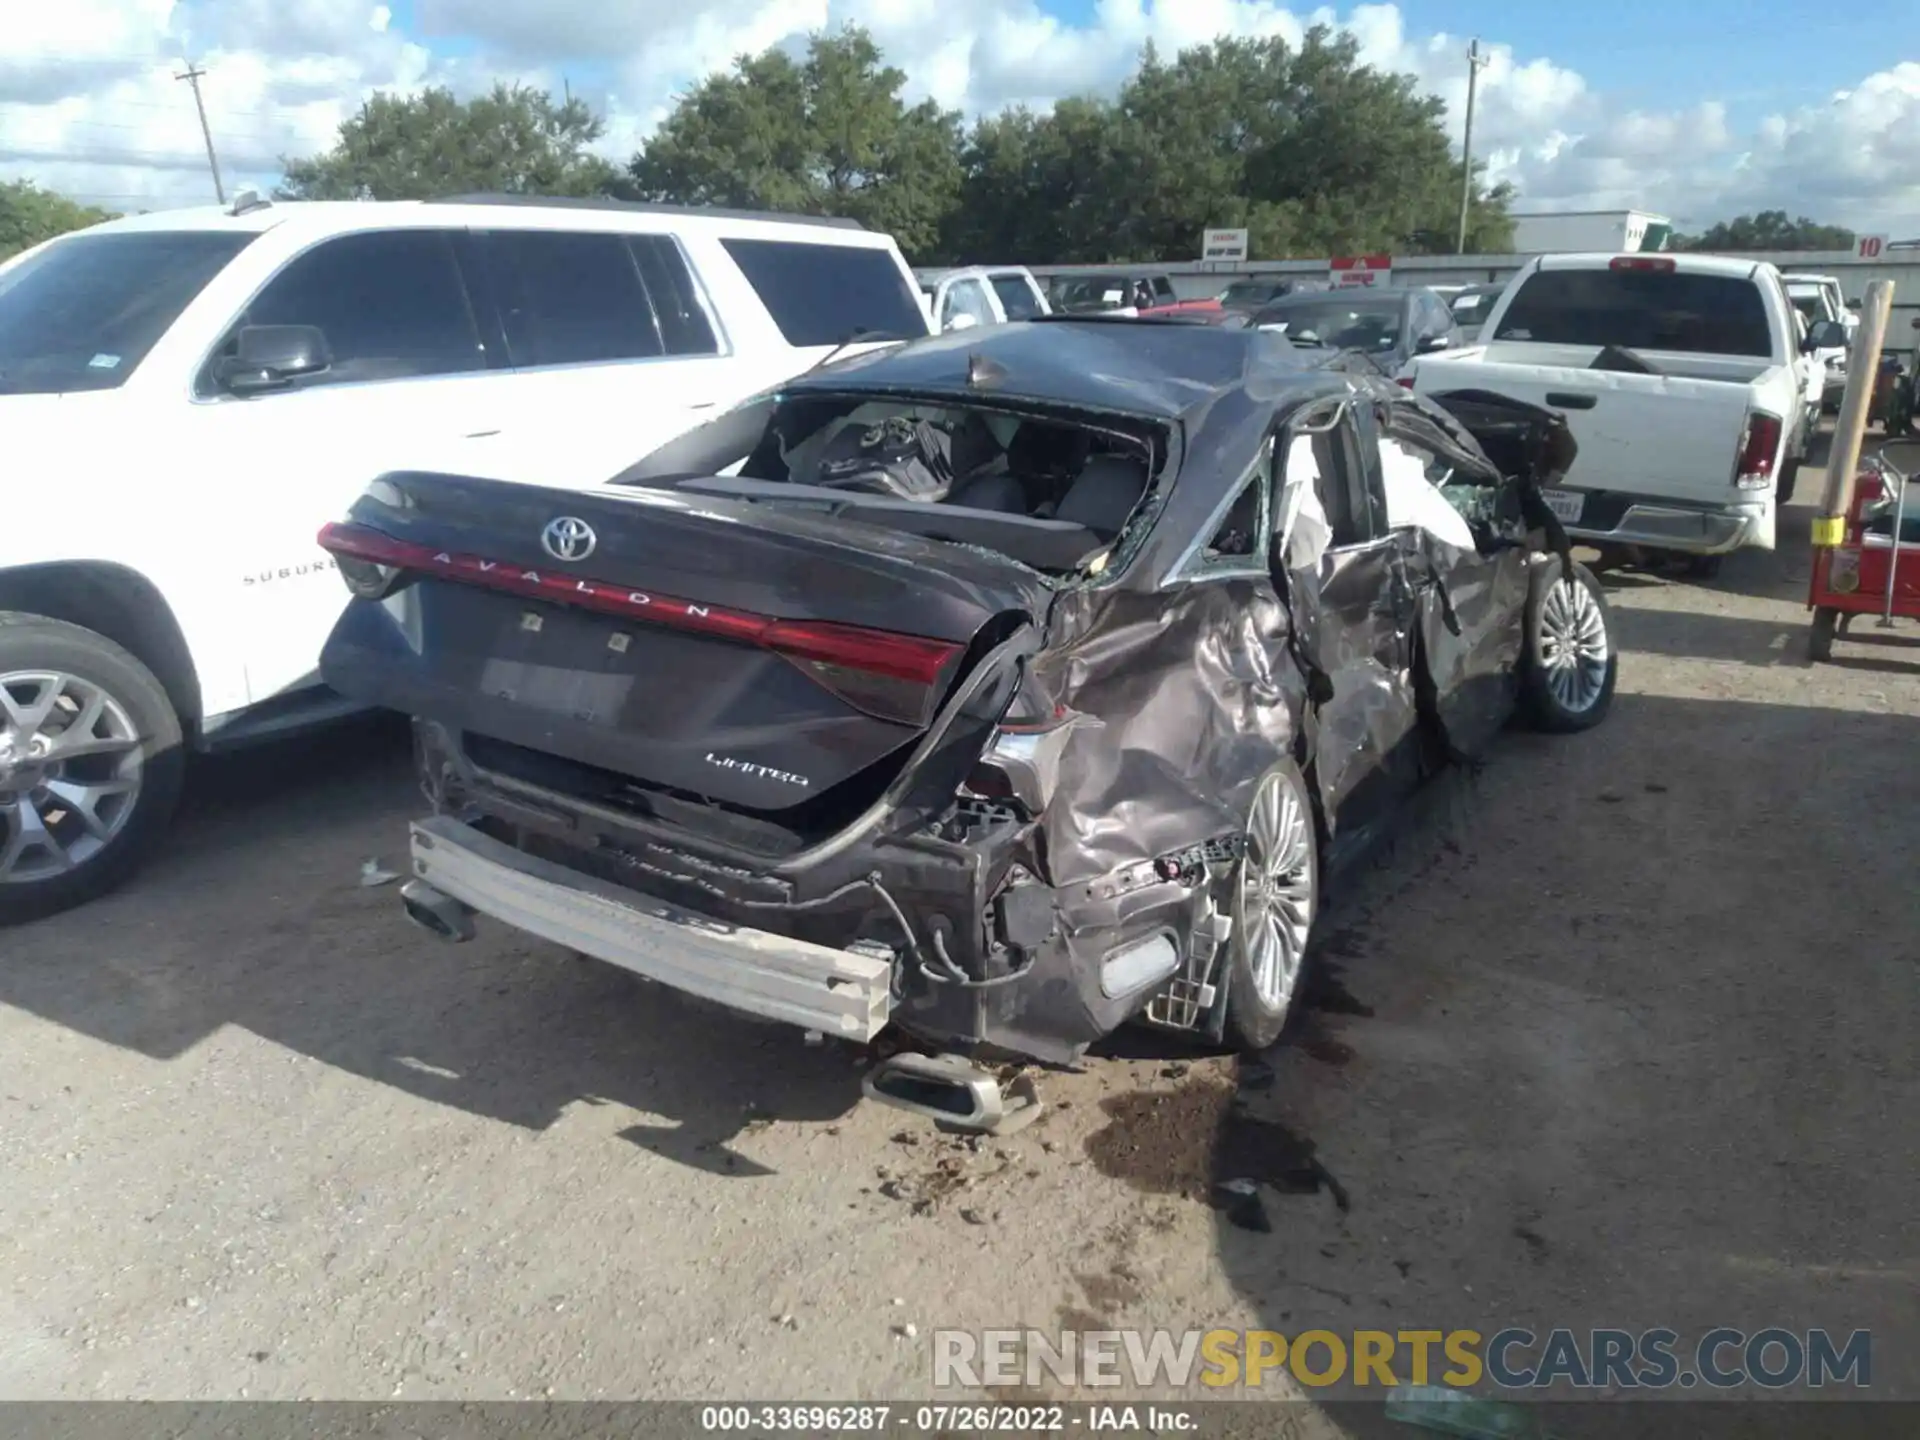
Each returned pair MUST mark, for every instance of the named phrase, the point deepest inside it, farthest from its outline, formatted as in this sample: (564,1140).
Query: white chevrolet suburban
(1682,377)
(189,396)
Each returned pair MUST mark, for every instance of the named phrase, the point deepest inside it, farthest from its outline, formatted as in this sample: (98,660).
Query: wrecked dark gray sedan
(1003,688)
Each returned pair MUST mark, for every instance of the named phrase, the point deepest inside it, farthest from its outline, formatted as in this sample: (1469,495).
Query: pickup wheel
(91,764)
(1570,666)
(1276,893)
(1789,475)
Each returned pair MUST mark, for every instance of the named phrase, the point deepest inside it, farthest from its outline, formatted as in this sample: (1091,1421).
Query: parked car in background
(1245,297)
(965,739)
(1149,293)
(958,299)
(1817,298)
(207,387)
(1681,377)
(1471,304)
(1391,325)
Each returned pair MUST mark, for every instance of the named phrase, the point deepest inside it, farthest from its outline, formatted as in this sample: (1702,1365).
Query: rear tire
(1571,664)
(91,765)
(1276,895)
(1789,477)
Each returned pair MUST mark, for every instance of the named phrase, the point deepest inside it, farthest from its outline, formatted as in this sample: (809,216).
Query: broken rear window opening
(1051,491)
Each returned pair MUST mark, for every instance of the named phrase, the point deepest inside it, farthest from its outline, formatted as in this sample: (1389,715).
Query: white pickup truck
(1683,378)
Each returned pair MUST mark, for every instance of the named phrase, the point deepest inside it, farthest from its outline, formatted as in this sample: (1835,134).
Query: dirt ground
(1621,1033)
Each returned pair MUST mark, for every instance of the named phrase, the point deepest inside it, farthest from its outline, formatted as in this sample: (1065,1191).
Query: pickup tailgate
(751,655)
(1663,436)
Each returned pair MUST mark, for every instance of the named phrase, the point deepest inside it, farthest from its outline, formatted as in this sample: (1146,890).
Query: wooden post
(1863,373)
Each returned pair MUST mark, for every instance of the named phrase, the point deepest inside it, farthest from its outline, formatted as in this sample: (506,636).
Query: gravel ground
(1620,1033)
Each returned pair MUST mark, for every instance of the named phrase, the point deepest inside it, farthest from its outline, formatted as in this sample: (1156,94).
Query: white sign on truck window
(1223,245)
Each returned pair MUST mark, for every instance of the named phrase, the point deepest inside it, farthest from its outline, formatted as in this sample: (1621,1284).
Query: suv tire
(91,765)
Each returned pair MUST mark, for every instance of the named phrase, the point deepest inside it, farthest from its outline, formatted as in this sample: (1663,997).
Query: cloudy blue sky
(1698,110)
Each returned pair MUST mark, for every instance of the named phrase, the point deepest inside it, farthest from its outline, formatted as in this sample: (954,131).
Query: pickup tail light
(1405,382)
(1653,264)
(1759,444)
(889,675)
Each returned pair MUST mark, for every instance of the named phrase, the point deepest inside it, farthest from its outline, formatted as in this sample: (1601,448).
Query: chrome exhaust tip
(435,912)
(952,1091)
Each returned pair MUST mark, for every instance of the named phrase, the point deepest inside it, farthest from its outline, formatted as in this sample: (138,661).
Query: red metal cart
(1875,569)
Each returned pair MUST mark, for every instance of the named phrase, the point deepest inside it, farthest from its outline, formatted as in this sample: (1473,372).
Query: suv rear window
(829,294)
(82,313)
(1640,310)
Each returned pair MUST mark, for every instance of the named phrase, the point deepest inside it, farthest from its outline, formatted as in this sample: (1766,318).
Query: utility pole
(192,76)
(1474,61)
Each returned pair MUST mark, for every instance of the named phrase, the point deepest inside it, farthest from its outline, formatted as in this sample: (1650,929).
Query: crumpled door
(1355,612)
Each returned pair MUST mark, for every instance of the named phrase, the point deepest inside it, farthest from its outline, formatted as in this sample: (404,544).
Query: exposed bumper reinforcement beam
(775,977)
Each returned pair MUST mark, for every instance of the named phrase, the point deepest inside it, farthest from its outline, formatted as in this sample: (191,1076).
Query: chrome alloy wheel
(1574,648)
(1274,907)
(70,773)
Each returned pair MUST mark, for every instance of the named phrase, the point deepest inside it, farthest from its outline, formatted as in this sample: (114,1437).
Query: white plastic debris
(372,873)
(814,1037)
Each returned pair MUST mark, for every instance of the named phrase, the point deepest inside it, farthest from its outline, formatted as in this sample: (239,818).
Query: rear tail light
(1405,382)
(1022,761)
(893,676)
(1759,444)
(362,566)
(1656,264)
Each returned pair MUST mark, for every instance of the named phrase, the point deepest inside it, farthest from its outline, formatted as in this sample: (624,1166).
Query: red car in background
(1145,293)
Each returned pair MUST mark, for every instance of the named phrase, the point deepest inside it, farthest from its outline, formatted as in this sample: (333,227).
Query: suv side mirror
(961,322)
(1427,344)
(1825,335)
(266,357)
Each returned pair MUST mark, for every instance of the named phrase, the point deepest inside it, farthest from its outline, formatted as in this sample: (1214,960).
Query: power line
(220,130)
(192,76)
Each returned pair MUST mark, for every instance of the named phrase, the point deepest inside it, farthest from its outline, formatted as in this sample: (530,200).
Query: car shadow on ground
(1623,1040)
(257,917)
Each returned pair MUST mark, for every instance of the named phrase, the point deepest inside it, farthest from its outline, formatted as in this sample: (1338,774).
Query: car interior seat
(1104,494)
(999,491)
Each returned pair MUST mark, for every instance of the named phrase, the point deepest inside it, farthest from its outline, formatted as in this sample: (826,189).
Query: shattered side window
(1238,535)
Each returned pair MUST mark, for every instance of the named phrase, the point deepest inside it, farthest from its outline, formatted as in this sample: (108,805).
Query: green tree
(826,135)
(1768,230)
(1044,188)
(512,140)
(29,214)
(1312,151)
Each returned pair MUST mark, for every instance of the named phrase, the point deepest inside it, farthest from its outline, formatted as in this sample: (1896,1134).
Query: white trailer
(1613,232)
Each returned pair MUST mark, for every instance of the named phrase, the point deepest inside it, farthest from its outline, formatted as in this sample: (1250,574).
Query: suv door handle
(1568,400)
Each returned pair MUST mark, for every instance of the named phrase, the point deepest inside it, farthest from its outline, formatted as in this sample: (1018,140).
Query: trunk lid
(748,654)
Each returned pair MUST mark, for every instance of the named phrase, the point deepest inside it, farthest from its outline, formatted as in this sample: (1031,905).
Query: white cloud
(88,102)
